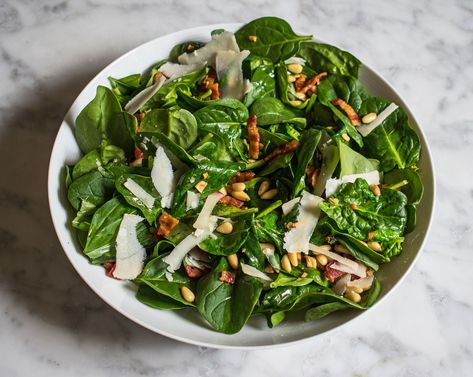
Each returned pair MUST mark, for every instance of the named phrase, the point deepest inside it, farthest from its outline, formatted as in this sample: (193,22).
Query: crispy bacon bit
(351,113)
(299,82)
(194,272)
(283,149)
(242,176)
(230,200)
(332,273)
(227,277)
(253,137)
(314,81)
(210,82)
(312,175)
(138,153)
(166,224)
(109,268)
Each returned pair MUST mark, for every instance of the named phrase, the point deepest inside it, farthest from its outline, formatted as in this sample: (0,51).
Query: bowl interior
(187,326)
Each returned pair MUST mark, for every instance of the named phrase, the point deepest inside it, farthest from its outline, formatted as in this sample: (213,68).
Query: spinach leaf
(184,48)
(180,125)
(146,183)
(125,87)
(326,58)
(304,154)
(228,244)
(150,139)
(152,298)
(352,162)
(101,159)
(394,143)
(269,230)
(100,246)
(103,119)
(84,216)
(277,163)
(261,74)
(253,255)
(92,187)
(219,173)
(414,188)
(154,276)
(269,110)
(411,218)
(225,306)
(321,311)
(275,38)
(351,91)
(358,211)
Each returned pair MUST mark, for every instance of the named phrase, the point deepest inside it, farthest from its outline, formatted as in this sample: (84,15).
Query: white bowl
(187,326)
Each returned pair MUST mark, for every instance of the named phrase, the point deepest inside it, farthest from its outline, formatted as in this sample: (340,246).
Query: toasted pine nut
(345,137)
(310,261)
(369,272)
(239,186)
(233,261)
(368,118)
(138,163)
(371,234)
(252,38)
(326,247)
(301,96)
(187,294)
(205,175)
(267,246)
(304,274)
(293,259)
(263,187)
(375,190)
(200,186)
(353,206)
(339,248)
(268,269)
(291,78)
(270,194)
(294,68)
(353,296)
(225,228)
(374,245)
(321,259)
(285,264)
(357,289)
(241,195)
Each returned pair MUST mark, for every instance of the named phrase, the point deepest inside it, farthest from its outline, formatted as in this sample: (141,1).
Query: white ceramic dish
(187,326)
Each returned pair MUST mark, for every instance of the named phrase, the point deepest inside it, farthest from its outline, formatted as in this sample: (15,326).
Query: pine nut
(239,186)
(270,194)
(357,289)
(326,247)
(339,248)
(200,186)
(252,38)
(233,261)
(268,269)
(374,245)
(345,137)
(353,296)
(187,294)
(293,259)
(295,102)
(267,246)
(371,234)
(321,259)
(369,272)
(301,96)
(225,228)
(375,190)
(310,261)
(263,187)
(294,68)
(368,118)
(241,195)
(205,175)
(291,78)
(353,206)
(285,264)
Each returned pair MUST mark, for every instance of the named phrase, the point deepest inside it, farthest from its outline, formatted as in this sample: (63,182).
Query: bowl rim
(52,197)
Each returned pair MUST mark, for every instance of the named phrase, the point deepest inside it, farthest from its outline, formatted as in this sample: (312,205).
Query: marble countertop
(52,324)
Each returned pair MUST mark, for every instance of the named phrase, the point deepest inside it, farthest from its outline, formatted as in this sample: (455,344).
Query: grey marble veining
(51,324)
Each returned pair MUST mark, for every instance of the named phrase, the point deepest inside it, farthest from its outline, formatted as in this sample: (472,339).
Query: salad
(251,174)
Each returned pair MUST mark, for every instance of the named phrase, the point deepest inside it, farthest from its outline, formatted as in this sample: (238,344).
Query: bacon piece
(230,200)
(194,272)
(227,277)
(166,224)
(350,111)
(138,153)
(283,149)
(210,82)
(312,175)
(242,176)
(253,137)
(300,81)
(109,268)
(313,82)
(332,273)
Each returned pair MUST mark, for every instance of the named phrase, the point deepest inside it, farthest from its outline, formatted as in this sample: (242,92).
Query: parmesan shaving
(139,192)
(366,129)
